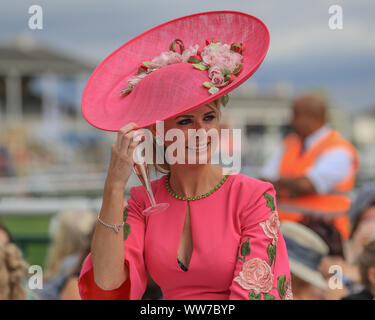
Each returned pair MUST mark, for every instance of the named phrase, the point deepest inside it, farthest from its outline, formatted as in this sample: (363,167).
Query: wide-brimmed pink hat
(174,67)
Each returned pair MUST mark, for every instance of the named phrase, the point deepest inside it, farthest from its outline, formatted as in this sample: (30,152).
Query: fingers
(123,131)
(123,137)
(126,141)
(133,142)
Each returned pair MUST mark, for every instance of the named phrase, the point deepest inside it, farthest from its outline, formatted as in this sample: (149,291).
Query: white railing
(17,195)
(46,206)
(52,184)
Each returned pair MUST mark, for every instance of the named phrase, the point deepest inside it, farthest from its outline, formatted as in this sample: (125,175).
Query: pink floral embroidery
(256,275)
(288,293)
(271,227)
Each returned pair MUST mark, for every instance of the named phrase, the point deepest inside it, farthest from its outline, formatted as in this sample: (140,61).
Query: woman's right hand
(121,162)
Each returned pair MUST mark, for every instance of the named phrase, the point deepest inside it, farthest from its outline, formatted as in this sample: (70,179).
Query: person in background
(362,215)
(5,236)
(335,256)
(69,289)
(305,250)
(13,272)
(315,167)
(70,231)
(367,274)
(363,233)
(327,232)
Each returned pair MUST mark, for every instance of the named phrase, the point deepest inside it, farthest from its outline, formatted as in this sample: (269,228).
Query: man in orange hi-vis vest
(314,169)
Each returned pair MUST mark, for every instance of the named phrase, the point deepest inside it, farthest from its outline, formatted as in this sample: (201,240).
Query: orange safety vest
(333,206)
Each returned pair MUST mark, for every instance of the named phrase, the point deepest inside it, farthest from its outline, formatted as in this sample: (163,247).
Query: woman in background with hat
(306,249)
(220,238)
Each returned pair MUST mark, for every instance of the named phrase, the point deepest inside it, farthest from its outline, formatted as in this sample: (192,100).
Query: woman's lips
(200,148)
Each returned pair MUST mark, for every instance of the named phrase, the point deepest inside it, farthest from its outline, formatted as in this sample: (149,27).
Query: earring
(158,141)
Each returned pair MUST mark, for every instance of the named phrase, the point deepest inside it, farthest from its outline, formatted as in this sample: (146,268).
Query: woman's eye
(188,121)
(209,118)
(185,121)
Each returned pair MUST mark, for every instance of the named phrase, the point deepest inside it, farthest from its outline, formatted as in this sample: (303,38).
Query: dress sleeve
(134,287)
(262,266)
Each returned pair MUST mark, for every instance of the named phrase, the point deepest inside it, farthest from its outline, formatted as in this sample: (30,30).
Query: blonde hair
(71,230)
(164,168)
(13,270)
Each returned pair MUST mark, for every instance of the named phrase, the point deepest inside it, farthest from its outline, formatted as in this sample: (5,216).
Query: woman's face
(202,143)
(364,233)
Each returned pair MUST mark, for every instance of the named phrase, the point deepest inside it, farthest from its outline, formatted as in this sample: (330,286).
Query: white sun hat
(305,250)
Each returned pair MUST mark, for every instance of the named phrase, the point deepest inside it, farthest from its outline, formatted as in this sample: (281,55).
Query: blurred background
(52,160)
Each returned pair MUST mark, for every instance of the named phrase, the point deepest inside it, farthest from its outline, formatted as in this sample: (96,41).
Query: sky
(304,52)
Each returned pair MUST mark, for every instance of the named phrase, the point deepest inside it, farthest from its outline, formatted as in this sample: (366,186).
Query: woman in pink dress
(219,238)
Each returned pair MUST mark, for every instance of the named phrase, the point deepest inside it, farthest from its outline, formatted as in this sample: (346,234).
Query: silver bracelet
(115,227)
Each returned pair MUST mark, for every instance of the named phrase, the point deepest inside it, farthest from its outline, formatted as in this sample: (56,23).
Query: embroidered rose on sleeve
(288,292)
(256,275)
(271,227)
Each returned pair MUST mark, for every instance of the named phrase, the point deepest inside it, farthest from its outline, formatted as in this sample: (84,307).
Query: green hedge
(31,234)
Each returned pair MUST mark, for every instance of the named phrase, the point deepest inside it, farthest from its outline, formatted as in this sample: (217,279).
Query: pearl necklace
(197,197)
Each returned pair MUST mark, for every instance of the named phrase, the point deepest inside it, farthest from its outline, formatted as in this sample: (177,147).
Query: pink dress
(238,250)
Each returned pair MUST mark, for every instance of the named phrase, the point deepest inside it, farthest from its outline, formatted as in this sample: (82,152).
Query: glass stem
(150,193)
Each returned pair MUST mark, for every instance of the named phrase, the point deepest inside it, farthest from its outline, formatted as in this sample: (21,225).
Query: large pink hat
(174,67)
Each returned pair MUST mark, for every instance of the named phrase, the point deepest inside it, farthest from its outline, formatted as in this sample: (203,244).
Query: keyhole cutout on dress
(185,249)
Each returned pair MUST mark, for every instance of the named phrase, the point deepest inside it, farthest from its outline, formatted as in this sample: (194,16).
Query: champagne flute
(141,169)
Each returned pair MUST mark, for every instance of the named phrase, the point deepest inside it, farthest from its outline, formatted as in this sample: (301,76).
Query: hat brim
(305,273)
(176,88)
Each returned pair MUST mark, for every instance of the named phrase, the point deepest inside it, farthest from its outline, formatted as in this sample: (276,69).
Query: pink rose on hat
(221,56)
(256,275)
(217,78)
